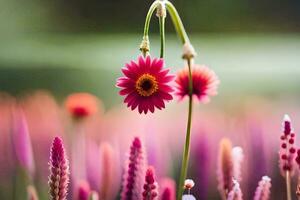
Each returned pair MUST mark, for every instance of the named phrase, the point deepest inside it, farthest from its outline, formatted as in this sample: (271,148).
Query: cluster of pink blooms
(139,179)
(146,85)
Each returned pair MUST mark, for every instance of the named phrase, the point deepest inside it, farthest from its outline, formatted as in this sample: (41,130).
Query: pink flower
(262,191)
(150,185)
(83,191)
(236,192)
(167,191)
(22,142)
(59,171)
(132,186)
(145,84)
(225,168)
(205,83)
(82,105)
(287,151)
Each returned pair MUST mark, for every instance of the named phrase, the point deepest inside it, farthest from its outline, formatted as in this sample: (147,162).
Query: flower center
(146,85)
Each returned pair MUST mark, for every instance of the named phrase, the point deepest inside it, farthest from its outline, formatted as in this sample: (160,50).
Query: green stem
(148,17)
(186,151)
(162,35)
(177,22)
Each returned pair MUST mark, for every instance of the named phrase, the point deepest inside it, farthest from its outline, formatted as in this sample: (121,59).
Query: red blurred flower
(145,84)
(81,105)
(205,83)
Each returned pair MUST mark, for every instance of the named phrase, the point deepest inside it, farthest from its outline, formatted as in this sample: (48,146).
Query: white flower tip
(266,179)
(237,149)
(286,118)
(189,184)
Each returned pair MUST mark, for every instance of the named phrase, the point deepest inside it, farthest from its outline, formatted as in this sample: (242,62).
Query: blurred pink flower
(262,191)
(287,151)
(82,105)
(59,171)
(235,193)
(110,172)
(237,157)
(205,83)
(145,84)
(133,181)
(22,142)
(167,189)
(31,193)
(83,191)
(225,168)
(150,186)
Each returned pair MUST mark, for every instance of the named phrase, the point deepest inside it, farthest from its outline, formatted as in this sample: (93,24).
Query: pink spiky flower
(167,191)
(150,185)
(225,168)
(132,187)
(262,191)
(145,84)
(287,151)
(205,83)
(59,171)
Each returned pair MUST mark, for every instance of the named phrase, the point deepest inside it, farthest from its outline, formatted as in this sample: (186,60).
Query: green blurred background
(68,46)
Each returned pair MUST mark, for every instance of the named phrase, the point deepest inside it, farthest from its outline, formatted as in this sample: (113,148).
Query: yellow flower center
(146,85)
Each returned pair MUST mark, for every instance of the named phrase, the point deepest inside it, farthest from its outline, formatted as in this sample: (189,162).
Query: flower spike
(59,171)
(235,193)
(263,189)
(150,185)
(133,179)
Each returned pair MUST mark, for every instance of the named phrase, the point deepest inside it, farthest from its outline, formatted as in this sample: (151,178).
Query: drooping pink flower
(150,186)
(205,83)
(133,180)
(236,192)
(22,142)
(59,171)
(145,84)
(83,191)
(82,105)
(287,150)
(31,193)
(167,189)
(225,168)
(262,191)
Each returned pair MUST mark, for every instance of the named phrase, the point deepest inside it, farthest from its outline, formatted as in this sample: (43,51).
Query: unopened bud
(188,51)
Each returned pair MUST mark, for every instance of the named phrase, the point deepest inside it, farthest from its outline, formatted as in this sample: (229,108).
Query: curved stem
(162,35)
(186,151)
(148,17)
(177,22)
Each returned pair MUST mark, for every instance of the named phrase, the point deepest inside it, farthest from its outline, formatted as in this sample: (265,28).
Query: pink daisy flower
(205,83)
(145,84)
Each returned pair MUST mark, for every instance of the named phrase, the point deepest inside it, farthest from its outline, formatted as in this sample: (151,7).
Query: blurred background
(50,49)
